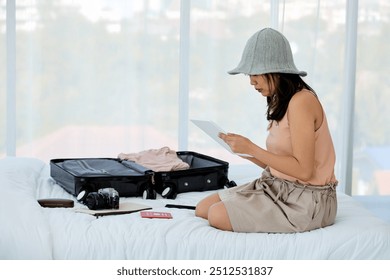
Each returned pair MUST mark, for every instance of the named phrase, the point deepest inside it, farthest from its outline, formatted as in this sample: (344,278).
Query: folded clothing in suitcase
(78,175)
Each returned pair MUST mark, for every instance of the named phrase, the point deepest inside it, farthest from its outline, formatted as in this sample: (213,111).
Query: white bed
(29,231)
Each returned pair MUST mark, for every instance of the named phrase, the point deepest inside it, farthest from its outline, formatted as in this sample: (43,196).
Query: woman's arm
(304,114)
(256,161)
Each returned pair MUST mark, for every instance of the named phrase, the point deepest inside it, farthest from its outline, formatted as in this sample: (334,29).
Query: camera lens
(107,198)
(95,201)
(113,202)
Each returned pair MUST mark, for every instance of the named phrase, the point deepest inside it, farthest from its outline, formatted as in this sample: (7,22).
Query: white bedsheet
(28,231)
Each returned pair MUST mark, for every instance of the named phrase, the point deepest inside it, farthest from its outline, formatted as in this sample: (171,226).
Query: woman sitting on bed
(296,191)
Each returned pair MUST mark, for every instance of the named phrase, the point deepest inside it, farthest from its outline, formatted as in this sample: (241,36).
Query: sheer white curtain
(317,31)
(219,31)
(371,162)
(3,79)
(96,78)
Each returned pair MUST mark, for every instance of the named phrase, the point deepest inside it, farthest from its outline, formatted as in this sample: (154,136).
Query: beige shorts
(270,204)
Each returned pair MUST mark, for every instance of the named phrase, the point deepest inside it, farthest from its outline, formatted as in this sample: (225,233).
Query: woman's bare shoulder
(305,105)
(304,99)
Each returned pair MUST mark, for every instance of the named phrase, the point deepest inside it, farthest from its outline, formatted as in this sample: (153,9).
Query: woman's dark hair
(284,87)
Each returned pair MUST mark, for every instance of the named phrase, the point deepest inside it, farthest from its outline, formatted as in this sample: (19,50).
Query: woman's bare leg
(213,209)
(202,208)
(218,217)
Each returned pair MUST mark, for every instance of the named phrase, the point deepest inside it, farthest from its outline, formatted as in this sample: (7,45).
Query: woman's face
(261,84)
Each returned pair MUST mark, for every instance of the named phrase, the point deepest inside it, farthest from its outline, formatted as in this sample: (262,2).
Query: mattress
(29,231)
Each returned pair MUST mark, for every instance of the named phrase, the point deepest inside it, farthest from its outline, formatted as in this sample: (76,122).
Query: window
(97,78)
(371,165)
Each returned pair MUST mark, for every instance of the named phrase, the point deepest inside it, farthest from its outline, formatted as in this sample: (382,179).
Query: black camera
(107,198)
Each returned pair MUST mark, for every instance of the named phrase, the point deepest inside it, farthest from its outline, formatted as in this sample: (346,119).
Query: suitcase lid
(100,167)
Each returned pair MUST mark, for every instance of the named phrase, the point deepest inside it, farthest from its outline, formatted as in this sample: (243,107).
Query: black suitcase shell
(131,179)
(204,174)
(127,178)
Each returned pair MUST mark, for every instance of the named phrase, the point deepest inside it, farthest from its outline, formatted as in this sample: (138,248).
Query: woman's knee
(202,208)
(218,217)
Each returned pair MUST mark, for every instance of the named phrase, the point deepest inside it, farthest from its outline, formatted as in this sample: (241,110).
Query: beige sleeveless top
(279,142)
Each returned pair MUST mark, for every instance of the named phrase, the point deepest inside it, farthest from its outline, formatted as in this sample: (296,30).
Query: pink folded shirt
(163,159)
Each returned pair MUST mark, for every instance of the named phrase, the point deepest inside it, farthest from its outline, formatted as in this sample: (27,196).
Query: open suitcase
(85,175)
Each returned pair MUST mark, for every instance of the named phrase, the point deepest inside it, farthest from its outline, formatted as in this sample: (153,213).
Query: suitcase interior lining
(196,162)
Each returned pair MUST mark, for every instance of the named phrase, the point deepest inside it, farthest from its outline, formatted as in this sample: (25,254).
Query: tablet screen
(213,130)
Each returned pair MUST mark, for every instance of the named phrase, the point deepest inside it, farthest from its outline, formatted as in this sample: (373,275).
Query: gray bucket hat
(267,51)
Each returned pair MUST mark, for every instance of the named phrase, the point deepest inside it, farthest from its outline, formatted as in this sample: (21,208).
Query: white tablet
(213,130)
